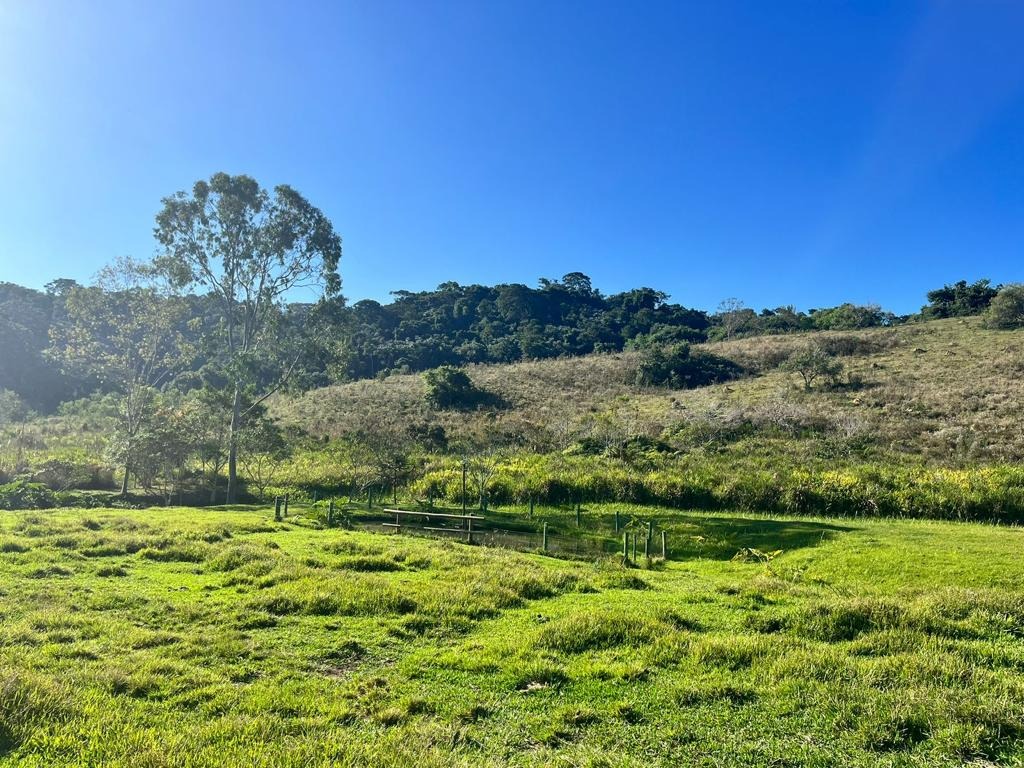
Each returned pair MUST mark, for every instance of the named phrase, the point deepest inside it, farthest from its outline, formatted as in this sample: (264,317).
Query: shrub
(813,363)
(25,495)
(1007,308)
(62,474)
(678,367)
(450,388)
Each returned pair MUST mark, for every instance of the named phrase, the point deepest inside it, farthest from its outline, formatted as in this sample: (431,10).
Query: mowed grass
(218,637)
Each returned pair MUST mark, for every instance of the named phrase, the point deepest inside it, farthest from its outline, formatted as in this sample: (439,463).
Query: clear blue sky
(779,152)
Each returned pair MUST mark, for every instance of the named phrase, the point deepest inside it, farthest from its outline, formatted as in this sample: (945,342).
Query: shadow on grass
(717,537)
(721,538)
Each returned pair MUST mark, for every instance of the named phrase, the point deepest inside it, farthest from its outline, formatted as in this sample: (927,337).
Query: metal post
(544,538)
(616,521)
(469,531)
(286,505)
(634,546)
(663,548)
(463,486)
(625,545)
(577,514)
(650,532)
(531,506)
(647,548)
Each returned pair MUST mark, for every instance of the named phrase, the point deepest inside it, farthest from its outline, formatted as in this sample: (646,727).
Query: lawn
(219,637)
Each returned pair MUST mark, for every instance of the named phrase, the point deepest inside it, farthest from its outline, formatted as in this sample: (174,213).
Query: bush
(63,474)
(678,367)
(850,316)
(813,363)
(23,495)
(1007,308)
(450,388)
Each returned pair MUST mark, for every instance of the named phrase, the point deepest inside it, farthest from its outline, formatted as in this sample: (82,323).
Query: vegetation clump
(450,388)
(1006,311)
(679,367)
(812,363)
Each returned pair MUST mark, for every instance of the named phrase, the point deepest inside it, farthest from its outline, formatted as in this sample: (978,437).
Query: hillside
(945,391)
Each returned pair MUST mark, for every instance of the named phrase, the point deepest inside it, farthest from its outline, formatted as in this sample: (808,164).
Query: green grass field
(218,637)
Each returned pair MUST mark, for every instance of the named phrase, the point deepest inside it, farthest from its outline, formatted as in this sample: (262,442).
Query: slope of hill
(947,392)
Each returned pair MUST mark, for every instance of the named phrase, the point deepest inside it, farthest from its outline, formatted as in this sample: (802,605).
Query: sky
(783,153)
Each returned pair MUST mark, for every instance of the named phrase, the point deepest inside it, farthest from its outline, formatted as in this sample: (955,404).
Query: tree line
(454,325)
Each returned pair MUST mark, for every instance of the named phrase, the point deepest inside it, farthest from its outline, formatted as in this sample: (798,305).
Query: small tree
(482,467)
(1007,308)
(813,363)
(451,388)
(13,409)
(264,451)
(732,315)
(126,334)
(211,413)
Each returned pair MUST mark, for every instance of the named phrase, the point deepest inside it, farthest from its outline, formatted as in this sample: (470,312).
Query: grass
(218,637)
(946,390)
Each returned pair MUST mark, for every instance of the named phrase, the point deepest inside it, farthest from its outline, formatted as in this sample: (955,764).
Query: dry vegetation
(948,391)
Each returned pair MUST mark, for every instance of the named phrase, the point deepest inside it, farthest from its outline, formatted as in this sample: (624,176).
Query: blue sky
(779,152)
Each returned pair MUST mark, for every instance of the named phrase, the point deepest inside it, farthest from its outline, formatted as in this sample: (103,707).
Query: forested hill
(453,324)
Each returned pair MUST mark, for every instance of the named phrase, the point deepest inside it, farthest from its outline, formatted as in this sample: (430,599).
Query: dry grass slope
(947,390)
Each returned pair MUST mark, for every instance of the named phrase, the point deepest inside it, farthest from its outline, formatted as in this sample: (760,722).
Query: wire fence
(501,531)
(488,533)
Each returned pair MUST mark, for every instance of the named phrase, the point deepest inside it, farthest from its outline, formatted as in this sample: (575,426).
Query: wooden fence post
(616,521)
(663,548)
(634,547)
(647,548)
(469,531)
(531,506)
(286,505)
(577,514)
(650,531)
(330,514)
(544,538)
(625,545)
(277,508)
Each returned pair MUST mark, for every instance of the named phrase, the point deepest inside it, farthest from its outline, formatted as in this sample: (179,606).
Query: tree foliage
(1007,308)
(677,366)
(249,249)
(959,299)
(451,388)
(812,363)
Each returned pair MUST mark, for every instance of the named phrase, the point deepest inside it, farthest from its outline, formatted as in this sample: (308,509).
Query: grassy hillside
(923,422)
(218,637)
(945,391)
